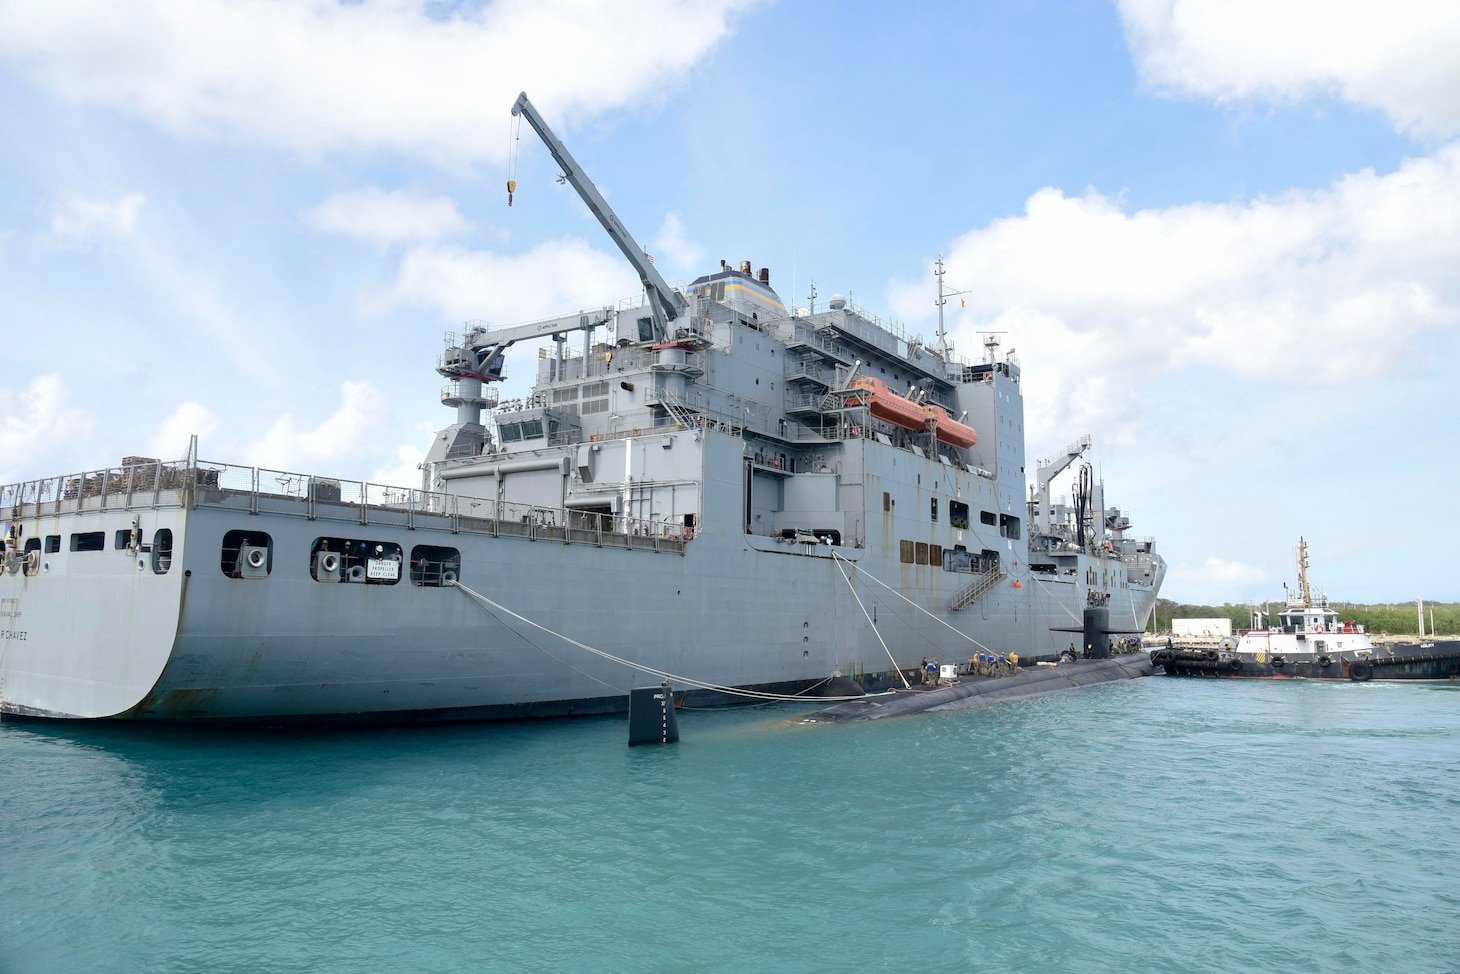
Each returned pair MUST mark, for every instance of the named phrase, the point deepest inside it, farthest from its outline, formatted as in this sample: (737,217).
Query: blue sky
(1222,237)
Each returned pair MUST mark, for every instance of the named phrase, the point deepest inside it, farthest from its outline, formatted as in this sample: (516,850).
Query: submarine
(1039,680)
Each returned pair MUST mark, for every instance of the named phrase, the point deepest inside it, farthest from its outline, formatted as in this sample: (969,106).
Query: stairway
(977,589)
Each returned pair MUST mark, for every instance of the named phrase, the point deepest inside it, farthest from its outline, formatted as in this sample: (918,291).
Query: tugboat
(1311,643)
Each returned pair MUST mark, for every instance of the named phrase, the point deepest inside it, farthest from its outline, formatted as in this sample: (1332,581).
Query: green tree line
(1393,619)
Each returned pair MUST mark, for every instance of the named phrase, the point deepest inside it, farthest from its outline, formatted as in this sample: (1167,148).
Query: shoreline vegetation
(1391,620)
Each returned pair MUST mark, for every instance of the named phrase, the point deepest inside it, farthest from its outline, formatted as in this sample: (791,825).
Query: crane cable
(514,136)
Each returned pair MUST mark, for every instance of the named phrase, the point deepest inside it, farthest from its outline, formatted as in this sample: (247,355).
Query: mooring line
(914,605)
(662,674)
(837,560)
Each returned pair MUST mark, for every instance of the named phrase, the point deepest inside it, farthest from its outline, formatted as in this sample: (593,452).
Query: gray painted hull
(103,636)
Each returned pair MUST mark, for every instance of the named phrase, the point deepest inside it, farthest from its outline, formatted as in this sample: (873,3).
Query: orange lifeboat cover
(888,405)
(950,430)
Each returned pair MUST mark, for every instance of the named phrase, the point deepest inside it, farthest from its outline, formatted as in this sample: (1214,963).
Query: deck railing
(153,484)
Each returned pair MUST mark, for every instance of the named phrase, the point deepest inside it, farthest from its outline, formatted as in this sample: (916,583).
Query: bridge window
(958,514)
(434,567)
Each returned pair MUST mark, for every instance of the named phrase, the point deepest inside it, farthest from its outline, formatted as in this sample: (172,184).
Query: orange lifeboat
(950,430)
(888,405)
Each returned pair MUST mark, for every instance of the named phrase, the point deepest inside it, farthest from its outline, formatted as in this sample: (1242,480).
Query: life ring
(1235,665)
(1318,627)
(1359,671)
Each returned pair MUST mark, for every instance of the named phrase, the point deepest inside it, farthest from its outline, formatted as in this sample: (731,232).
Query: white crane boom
(664,302)
(1051,469)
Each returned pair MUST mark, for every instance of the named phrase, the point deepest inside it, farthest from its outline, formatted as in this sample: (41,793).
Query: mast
(1303,572)
(943,297)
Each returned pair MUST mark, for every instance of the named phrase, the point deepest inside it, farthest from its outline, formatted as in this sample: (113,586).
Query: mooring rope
(837,560)
(488,604)
(910,602)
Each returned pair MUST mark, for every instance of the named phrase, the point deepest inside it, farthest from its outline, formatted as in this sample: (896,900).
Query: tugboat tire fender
(1323,661)
(1235,665)
(1359,672)
(1211,654)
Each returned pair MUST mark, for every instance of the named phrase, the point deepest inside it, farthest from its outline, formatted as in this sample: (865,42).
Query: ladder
(977,589)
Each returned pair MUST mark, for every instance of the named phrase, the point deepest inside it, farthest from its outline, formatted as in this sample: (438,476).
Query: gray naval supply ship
(713,489)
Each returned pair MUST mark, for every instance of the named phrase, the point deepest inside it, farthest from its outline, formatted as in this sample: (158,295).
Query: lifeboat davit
(950,430)
(888,405)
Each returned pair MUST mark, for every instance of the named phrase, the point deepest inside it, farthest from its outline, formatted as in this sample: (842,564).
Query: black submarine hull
(1035,681)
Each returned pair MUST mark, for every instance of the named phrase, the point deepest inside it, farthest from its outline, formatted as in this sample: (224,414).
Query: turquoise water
(1156,825)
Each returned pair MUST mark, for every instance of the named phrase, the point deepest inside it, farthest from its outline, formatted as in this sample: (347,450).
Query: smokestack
(745,267)
(765,276)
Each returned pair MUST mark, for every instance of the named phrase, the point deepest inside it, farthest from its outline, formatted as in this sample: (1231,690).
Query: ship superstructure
(703,482)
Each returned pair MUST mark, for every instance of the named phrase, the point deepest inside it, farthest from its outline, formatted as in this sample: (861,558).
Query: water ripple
(1159,825)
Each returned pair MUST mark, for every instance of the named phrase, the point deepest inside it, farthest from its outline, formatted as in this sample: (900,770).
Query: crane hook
(511,188)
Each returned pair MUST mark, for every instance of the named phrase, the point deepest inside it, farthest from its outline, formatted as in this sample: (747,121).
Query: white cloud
(1217,574)
(1398,57)
(38,423)
(170,440)
(404,470)
(287,446)
(677,255)
(81,221)
(379,217)
(395,75)
(1311,288)
(553,278)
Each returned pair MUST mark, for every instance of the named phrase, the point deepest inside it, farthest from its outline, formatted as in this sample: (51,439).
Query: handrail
(257,490)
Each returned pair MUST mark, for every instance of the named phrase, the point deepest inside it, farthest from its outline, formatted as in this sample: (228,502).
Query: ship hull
(1399,662)
(104,634)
